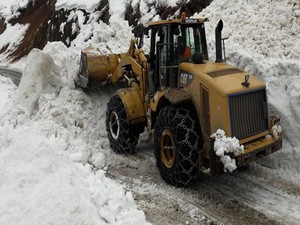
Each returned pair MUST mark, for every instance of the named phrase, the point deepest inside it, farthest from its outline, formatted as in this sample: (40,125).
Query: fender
(133,104)
(177,95)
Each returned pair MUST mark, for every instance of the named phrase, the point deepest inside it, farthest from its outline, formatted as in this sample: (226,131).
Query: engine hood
(222,77)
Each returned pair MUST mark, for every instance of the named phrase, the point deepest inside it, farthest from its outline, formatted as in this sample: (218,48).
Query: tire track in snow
(274,202)
(199,204)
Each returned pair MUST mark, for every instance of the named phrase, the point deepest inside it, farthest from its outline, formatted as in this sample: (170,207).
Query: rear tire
(117,126)
(177,146)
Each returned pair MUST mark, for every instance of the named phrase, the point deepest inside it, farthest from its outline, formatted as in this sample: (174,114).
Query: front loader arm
(96,68)
(137,68)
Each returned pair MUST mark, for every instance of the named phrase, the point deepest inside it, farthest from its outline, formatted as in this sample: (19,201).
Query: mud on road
(247,197)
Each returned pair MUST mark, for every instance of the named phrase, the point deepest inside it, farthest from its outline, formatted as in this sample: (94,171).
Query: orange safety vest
(187,53)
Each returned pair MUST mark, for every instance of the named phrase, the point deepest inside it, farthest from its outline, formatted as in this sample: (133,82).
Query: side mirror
(141,41)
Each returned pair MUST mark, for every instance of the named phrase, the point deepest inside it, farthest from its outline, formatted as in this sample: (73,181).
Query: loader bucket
(97,69)
(83,78)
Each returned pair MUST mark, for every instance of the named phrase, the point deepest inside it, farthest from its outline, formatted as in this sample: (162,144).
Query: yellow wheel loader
(182,98)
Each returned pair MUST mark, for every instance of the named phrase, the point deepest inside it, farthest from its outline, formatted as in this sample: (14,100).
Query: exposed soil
(37,15)
(44,26)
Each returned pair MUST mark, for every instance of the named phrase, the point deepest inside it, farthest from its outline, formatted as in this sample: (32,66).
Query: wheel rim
(167,149)
(114,125)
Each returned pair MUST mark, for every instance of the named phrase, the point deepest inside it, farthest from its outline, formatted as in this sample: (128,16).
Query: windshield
(172,44)
(187,40)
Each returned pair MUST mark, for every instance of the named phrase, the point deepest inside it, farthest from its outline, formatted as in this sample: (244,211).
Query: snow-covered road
(252,196)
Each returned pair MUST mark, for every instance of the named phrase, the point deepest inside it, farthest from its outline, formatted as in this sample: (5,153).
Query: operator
(184,52)
(154,69)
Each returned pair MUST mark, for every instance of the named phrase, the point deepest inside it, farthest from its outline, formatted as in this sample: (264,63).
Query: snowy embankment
(264,39)
(53,139)
(52,165)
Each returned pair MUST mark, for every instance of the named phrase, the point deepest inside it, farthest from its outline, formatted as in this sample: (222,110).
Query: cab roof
(179,21)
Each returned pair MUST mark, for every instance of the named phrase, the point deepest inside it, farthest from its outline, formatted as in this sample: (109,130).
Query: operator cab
(173,42)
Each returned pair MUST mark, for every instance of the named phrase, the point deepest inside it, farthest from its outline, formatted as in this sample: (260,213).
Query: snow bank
(7,90)
(106,38)
(52,160)
(11,37)
(269,28)
(39,185)
(10,7)
(88,6)
(225,145)
(117,9)
(264,40)
(41,75)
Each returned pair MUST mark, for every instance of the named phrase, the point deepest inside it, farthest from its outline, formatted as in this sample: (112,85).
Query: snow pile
(106,38)
(11,37)
(89,5)
(52,160)
(10,7)
(226,145)
(41,75)
(39,185)
(117,9)
(7,90)
(148,9)
(276,130)
(269,28)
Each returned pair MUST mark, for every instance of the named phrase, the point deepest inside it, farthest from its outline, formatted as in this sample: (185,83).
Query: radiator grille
(248,113)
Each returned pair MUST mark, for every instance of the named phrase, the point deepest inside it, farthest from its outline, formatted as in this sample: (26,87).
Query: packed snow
(276,130)
(269,28)
(6,92)
(42,76)
(11,37)
(50,149)
(53,141)
(223,146)
(89,5)
(11,7)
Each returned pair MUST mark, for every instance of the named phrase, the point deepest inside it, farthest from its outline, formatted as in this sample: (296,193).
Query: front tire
(177,146)
(117,126)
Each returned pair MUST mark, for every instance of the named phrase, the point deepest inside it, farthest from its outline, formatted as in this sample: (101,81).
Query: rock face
(2,25)
(37,16)
(48,24)
(44,25)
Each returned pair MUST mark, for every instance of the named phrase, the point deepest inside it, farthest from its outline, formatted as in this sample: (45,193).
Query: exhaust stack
(218,36)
